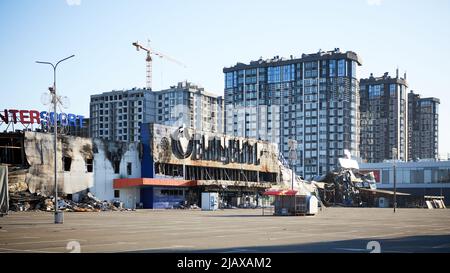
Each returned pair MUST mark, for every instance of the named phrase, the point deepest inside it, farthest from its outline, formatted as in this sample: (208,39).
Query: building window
(116,166)
(385,177)
(89,165)
(172,192)
(417,176)
(332,68)
(353,69)
(374,91)
(67,163)
(392,89)
(129,168)
(229,80)
(273,74)
(116,193)
(341,68)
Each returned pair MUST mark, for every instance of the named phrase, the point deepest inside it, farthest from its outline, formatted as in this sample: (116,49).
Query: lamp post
(58,214)
(394,155)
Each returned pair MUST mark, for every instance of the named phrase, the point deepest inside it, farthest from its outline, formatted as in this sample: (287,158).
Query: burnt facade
(210,158)
(83,164)
(30,160)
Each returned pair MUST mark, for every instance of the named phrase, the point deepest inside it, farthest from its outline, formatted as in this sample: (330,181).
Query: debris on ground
(349,186)
(25,201)
(185,205)
(343,187)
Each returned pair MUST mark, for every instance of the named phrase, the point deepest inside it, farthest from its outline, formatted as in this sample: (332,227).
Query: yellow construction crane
(148,60)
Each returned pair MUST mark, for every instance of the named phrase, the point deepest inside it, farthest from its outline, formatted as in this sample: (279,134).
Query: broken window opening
(212,173)
(116,166)
(116,193)
(89,165)
(12,150)
(129,168)
(67,163)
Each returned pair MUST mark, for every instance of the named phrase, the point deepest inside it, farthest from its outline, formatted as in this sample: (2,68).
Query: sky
(207,36)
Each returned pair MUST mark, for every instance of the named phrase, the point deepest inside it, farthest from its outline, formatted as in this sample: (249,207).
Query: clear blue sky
(208,35)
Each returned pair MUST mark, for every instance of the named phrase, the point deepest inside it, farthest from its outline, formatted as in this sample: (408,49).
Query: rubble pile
(343,187)
(26,201)
(185,205)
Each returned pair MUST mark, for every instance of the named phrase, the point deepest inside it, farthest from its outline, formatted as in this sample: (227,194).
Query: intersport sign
(43,118)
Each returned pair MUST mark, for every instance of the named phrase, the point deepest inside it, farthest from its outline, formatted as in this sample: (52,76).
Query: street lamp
(59,219)
(394,155)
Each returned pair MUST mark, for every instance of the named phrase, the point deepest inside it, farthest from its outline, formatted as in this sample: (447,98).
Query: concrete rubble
(26,201)
(302,187)
(343,187)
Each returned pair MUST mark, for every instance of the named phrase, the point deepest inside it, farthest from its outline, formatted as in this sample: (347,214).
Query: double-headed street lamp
(59,219)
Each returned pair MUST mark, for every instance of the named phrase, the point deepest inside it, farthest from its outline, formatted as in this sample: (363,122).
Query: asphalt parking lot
(228,231)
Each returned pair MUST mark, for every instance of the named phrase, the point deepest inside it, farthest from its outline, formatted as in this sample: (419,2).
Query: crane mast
(149,61)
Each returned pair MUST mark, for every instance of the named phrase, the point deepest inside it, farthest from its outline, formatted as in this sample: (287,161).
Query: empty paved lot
(333,230)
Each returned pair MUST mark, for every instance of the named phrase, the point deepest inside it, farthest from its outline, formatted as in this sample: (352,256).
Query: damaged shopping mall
(179,164)
(170,168)
(173,167)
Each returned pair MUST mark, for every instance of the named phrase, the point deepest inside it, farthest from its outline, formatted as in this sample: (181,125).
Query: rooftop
(191,87)
(184,85)
(320,55)
(386,78)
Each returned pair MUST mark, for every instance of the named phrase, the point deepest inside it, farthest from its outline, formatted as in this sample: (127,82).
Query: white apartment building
(191,105)
(118,115)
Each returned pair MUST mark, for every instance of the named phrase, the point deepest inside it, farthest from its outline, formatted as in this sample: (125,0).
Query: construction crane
(149,60)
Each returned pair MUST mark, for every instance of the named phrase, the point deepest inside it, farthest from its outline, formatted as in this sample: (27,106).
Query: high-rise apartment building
(118,115)
(423,125)
(189,104)
(312,99)
(384,118)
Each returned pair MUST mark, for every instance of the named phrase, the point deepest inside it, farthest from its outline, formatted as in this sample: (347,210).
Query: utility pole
(59,217)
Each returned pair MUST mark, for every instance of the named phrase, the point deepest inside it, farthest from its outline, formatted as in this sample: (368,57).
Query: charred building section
(206,156)
(84,165)
(30,160)
(116,160)
(180,163)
